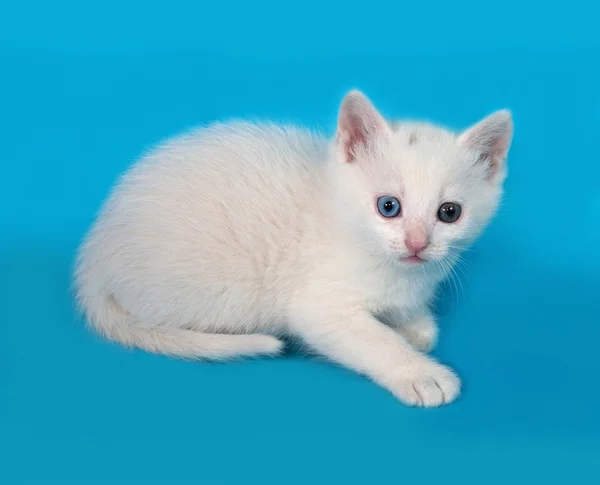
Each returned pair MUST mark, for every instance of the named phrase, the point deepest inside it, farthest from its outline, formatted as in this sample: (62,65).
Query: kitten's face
(417,193)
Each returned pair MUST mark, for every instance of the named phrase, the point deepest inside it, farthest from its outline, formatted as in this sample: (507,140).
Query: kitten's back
(208,221)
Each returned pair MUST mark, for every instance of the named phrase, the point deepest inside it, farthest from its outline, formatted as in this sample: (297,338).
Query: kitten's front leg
(359,341)
(421,332)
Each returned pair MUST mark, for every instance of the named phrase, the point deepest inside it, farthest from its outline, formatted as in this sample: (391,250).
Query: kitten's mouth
(414,259)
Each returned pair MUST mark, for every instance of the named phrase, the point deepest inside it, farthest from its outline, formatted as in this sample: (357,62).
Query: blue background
(85,88)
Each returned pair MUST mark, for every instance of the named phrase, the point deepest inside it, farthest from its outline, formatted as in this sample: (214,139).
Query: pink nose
(416,245)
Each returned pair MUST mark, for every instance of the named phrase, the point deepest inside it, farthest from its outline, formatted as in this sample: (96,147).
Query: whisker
(450,276)
(464,268)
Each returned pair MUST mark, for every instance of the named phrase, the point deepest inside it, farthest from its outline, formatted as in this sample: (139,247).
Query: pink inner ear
(500,146)
(351,138)
(491,138)
(494,154)
(358,121)
(356,125)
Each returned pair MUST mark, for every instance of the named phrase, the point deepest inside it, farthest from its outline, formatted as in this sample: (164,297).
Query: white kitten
(223,239)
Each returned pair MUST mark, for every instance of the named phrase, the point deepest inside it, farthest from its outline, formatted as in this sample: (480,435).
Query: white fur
(222,240)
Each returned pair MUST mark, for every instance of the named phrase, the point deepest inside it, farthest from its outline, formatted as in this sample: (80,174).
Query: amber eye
(449,212)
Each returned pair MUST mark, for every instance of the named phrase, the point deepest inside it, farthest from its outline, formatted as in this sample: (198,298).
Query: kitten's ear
(358,123)
(491,138)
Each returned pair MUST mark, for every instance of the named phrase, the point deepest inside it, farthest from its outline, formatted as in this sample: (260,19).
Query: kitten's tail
(112,321)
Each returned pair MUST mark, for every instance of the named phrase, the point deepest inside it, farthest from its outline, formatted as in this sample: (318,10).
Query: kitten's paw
(430,385)
(421,333)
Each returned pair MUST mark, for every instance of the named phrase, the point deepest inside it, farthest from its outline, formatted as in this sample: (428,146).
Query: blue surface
(85,89)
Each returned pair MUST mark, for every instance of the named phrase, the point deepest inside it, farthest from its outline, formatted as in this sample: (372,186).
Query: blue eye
(388,206)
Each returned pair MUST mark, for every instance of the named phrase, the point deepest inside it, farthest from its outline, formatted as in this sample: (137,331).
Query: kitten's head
(416,192)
